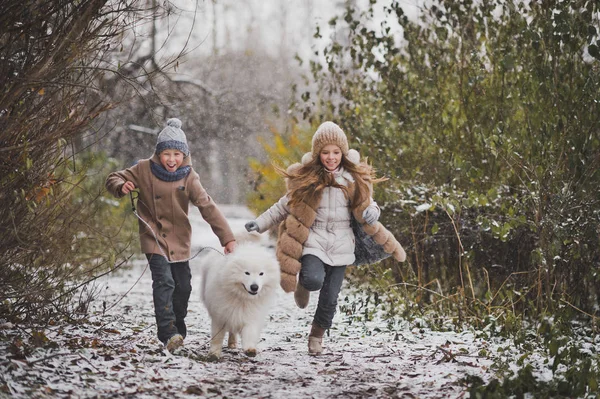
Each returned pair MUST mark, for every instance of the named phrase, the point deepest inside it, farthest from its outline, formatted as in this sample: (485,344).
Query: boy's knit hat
(172,138)
(329,133)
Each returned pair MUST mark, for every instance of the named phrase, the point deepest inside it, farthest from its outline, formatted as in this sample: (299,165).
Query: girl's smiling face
(331,156)
(171,160)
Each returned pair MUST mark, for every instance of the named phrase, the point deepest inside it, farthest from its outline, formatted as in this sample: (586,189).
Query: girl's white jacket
(330,238)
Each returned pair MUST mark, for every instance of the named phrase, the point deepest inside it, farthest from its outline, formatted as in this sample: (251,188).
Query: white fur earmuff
(353,156)
(306,158)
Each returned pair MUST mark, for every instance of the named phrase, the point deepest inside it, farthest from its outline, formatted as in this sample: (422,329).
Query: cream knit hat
(329,133)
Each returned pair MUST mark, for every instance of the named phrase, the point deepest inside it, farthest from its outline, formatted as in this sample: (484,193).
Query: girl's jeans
(171,288)
(316,275)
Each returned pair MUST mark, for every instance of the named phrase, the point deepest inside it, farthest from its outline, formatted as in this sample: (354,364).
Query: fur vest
(293,233)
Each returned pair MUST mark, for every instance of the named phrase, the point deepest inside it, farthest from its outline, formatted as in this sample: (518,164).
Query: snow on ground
(118,355)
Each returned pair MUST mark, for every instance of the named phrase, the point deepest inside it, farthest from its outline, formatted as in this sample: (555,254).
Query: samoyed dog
(238,290)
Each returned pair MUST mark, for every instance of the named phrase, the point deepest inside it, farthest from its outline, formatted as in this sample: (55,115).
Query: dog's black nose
(254,287)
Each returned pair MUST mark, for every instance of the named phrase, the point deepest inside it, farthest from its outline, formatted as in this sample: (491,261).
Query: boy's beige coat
(294,230)
(164,206)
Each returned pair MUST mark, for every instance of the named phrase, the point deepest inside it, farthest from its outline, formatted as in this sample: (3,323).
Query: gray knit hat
(172,138)
(329,133)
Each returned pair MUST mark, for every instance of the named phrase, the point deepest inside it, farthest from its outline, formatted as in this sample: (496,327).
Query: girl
(316,240)
(167,184)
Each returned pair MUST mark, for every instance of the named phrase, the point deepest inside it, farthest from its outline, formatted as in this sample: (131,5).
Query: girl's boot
(315,340)
(301,296)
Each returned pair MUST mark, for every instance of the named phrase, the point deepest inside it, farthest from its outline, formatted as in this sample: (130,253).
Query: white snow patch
(423,207)
(117,353)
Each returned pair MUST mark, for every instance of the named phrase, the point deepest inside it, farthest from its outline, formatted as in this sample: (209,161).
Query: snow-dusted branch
(143,129)
(197,83)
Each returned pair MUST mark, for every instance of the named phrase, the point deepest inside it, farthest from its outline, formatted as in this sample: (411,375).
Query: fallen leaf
(194,390)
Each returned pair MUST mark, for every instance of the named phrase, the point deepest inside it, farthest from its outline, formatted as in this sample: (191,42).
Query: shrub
(485,111)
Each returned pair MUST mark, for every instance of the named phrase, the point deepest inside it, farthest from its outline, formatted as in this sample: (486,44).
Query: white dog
(238,290)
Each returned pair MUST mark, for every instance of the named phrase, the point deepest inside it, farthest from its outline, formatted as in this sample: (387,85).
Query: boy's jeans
(171,288)
(316,275)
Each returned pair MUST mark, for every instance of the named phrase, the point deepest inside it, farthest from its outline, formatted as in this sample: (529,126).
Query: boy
(167,184)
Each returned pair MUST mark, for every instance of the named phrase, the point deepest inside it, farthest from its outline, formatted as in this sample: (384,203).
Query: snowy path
(119,356)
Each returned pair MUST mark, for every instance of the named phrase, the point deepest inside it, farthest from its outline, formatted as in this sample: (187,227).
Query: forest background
(483,114)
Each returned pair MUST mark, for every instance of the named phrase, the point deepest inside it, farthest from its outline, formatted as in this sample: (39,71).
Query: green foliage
(487,112)
(55,81)
(70,234)
(570,353)
(109,229)
(286,149)
(485,117)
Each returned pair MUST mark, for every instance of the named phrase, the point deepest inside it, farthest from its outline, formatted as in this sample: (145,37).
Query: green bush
(70,233)
(58,71)
(488,112)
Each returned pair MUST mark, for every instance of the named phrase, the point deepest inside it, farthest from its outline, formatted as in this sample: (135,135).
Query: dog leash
(134,210)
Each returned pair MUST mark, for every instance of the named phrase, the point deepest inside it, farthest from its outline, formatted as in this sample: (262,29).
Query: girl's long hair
(311,178)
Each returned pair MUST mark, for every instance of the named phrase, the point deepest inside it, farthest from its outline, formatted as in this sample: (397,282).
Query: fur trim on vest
(293,233)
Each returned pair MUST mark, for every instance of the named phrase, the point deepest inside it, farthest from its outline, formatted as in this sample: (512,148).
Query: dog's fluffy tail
(244,236)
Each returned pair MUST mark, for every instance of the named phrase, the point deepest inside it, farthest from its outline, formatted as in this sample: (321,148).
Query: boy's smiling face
(171,160)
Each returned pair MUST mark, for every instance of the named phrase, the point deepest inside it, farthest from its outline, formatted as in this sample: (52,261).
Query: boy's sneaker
(176,341)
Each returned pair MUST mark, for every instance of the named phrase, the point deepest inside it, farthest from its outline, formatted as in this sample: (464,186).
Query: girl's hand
(371,215)
(127,187)
(251,226)
(230,247)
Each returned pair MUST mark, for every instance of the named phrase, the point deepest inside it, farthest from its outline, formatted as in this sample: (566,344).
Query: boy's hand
(230,247)
(251,226)
(127,187)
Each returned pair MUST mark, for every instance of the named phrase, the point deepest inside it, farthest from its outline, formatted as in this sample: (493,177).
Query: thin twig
(88,362)
(418,287)
(43,359)
(460,256)
(580,310)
